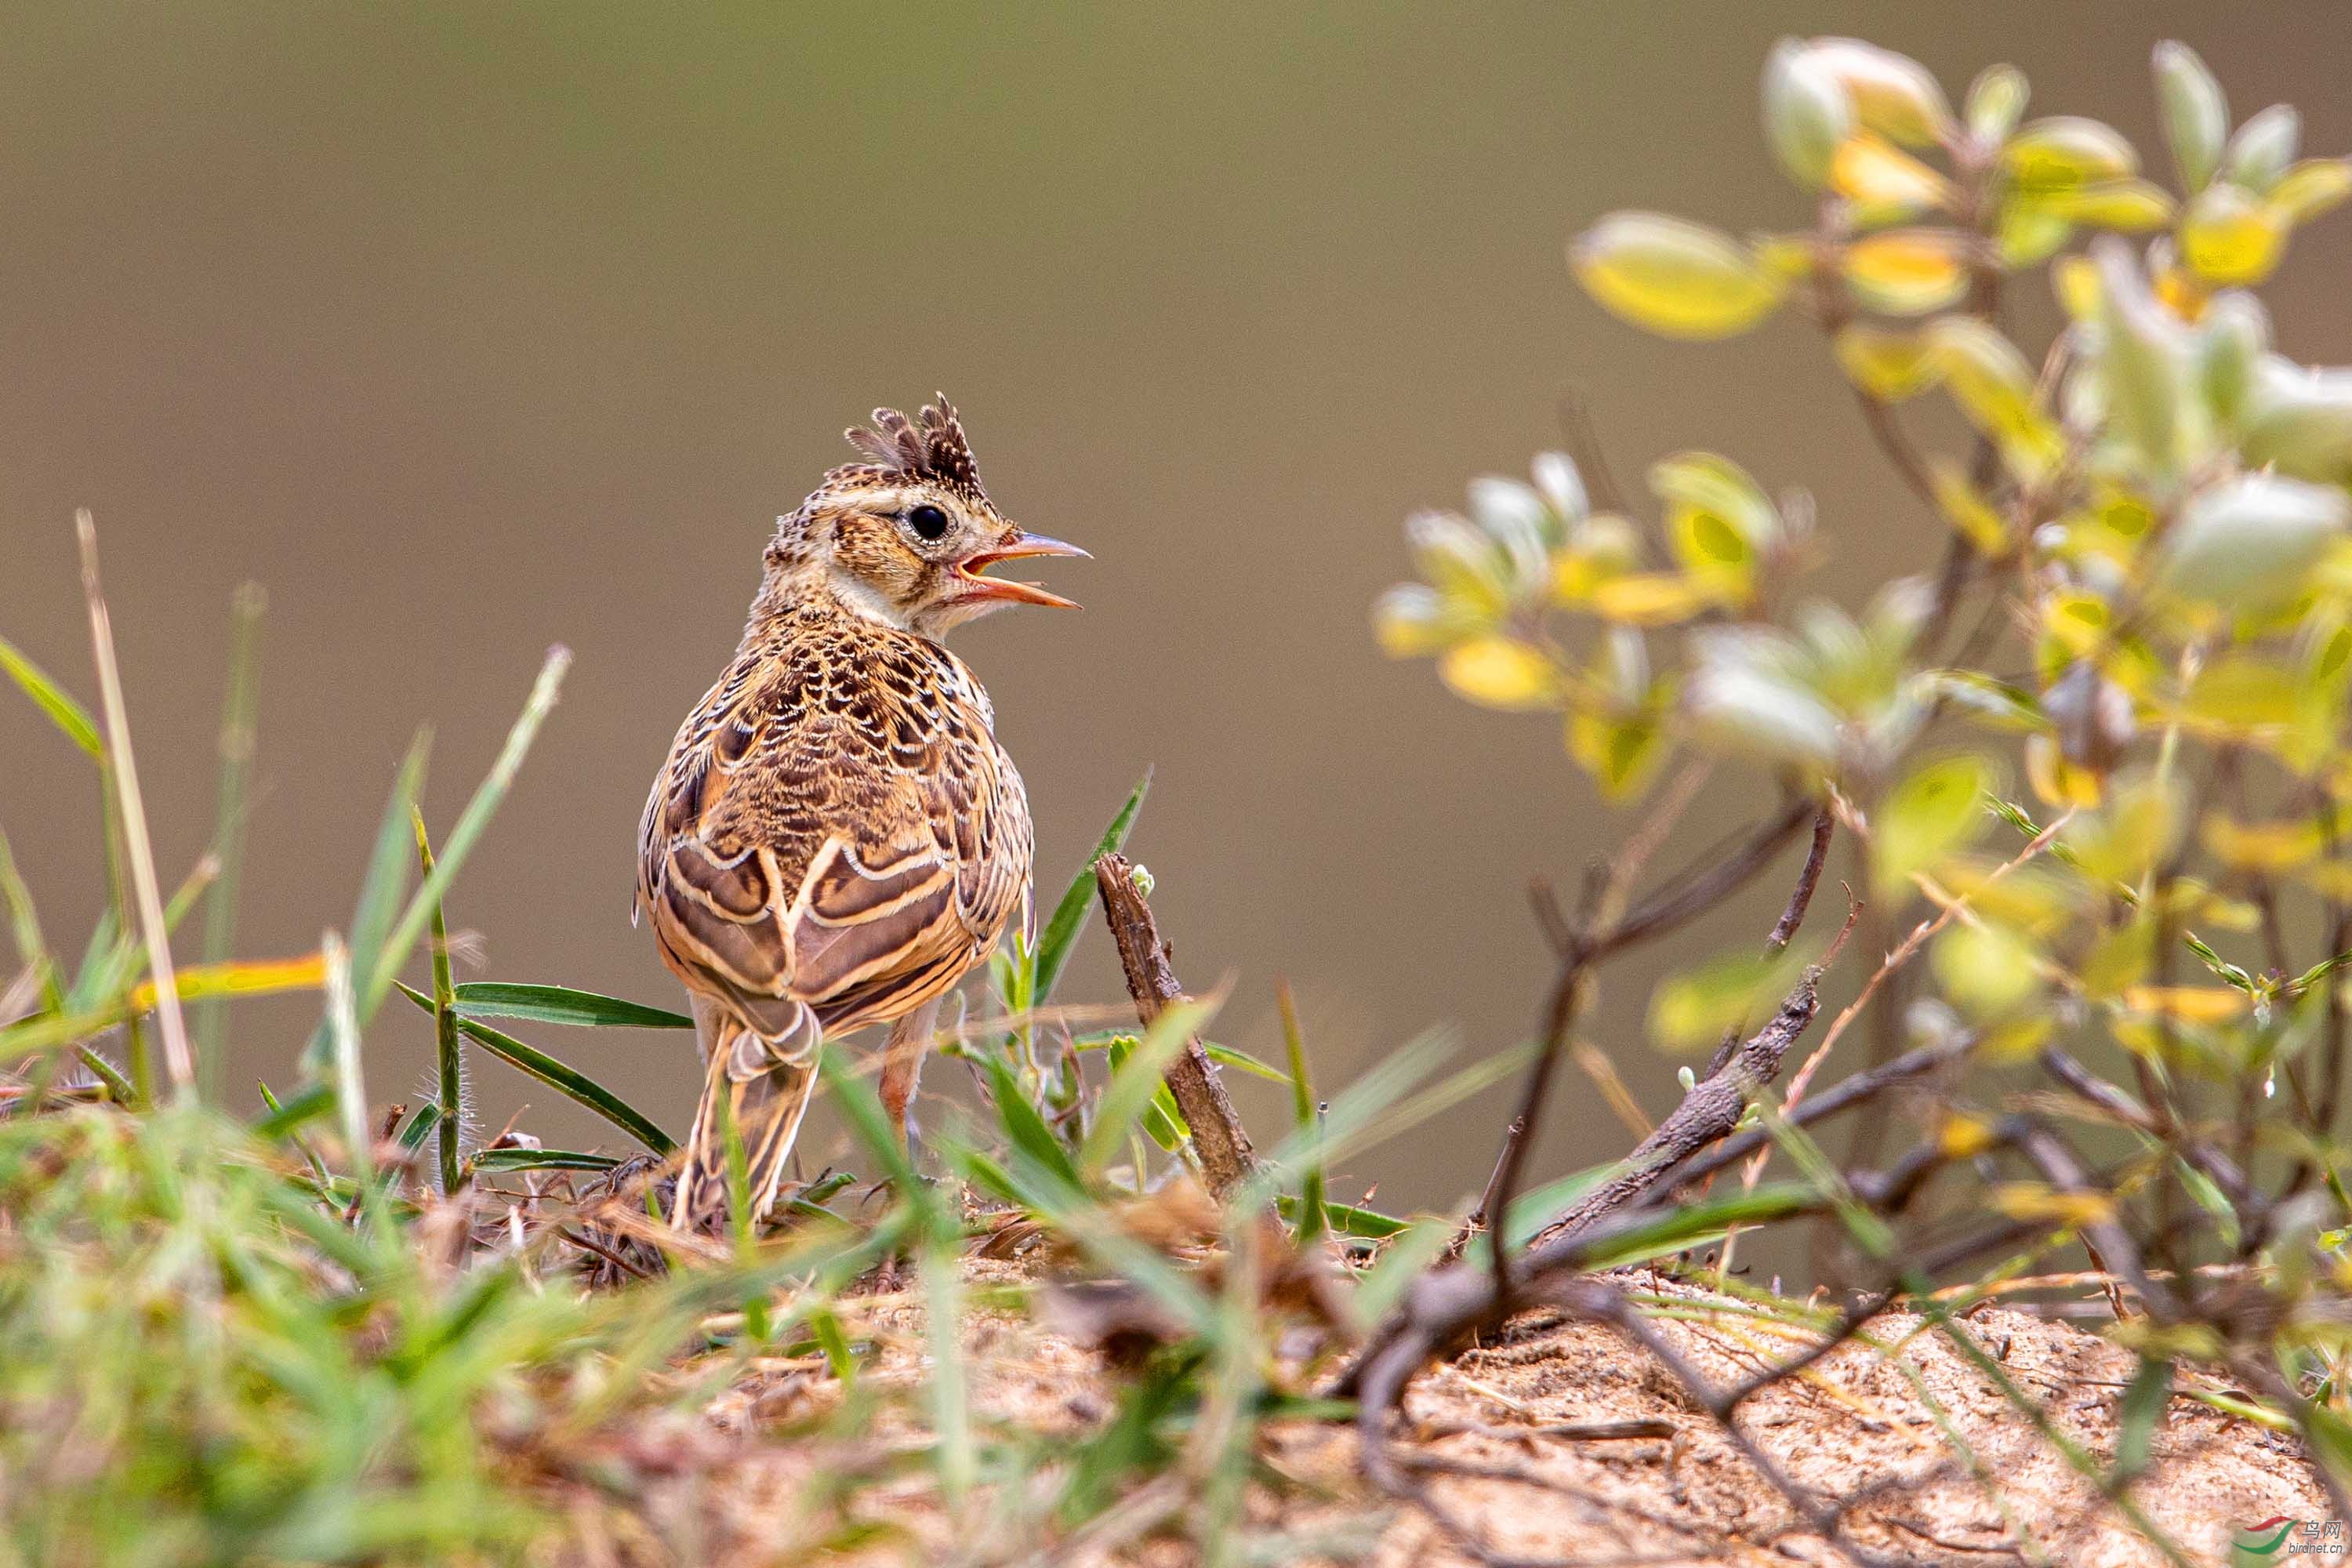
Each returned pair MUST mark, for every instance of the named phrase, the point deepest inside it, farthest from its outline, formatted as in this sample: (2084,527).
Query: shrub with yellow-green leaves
(2093,753)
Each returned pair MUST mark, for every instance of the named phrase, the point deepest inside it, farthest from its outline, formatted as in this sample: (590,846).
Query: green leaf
(2135,1419)
(1538,1206)
(2066,151)
(2196,114)
(1697,1224)
(1995,103)
(63,712)
(1311,1223)
(1134,1084)
(2144,358)
(1692,1009)
(1347,1219)
(2262,148)
(1163,1124)
(541,1160)
(2251,540)
(419,1126)
(573,1085)
(562,1005)
(1418,1245)
(1024,1128)
(1931,813)
(2299,421)
(1806,112)
(1069,915)
(1744,696)
(1242,1061)
(868,1123)
(282,1119)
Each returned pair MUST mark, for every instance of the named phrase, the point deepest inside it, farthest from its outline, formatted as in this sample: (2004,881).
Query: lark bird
(836,838)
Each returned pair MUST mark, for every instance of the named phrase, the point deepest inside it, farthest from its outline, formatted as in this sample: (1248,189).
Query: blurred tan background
(473,331)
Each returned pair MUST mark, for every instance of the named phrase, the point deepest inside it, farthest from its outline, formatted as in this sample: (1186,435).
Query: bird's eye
(929,521)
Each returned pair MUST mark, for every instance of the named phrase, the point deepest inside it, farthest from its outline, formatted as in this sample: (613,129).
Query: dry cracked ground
(1934,1463)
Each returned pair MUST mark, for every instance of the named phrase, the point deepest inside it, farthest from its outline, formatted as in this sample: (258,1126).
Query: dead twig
(1226,1157)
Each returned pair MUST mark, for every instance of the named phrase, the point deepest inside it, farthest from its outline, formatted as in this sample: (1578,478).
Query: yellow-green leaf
(2189,1003)
(1889,365)
(1413,619)
(1677,279)
(1501,672)
(1906,272)
(2242,696)
(1622,754)
(2266,847)
(1936,810)
(2034,1201)
(2130,206)
(1986,970)
(2066,149)
(1692,1009)
(2311,188)
(2230,235)
(1965,507)
(1653,598)
(1884,182)
(2031,231)
(1892,94)
(1994,387)
(1996,103)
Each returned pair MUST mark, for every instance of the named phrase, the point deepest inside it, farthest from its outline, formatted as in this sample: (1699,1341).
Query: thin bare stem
(178,1060)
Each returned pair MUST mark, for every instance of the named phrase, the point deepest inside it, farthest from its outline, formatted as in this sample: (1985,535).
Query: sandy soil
(1866,1425)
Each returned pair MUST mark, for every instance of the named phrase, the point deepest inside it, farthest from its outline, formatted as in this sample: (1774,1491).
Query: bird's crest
(930,446)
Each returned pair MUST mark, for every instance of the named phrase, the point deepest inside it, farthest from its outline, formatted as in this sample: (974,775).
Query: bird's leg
(902,1064)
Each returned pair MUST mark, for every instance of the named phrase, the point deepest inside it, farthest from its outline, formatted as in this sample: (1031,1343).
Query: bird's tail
(759,1089)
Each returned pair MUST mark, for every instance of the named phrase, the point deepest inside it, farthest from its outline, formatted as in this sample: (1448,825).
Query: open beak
(1004,590)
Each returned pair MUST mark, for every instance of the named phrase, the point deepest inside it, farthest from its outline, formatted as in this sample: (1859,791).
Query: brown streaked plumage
(836,838)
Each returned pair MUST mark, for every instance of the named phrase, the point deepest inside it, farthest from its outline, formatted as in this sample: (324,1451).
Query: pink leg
(902,1064)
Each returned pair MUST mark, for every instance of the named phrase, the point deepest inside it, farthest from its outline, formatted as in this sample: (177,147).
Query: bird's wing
(836,833)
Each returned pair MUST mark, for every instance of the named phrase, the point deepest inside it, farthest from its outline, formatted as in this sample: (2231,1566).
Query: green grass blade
(462,838)
(24,926)
(449,1059)
(1137,1082)
(1069,917)
(562,1005)
(231,802)
(1347,1219)
(343,1036)
(284,1118)
(571,1083)
(50,697)
(1242,1061)
(1419,1245)
(1024,1128)
(541,1160)
(1698,1224)
(385,879)
(419,1125)
(1303,1112)
(957,1456)
(861,1108)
